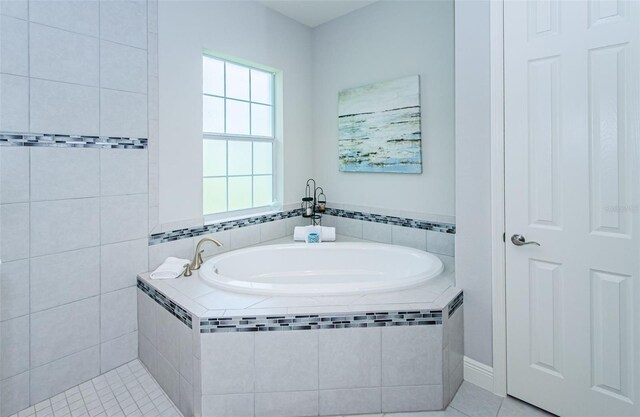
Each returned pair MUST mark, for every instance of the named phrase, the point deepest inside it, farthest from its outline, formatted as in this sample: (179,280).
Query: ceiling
(315,12)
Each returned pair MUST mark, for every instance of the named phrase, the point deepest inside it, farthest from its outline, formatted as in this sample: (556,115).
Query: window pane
(237,117)
(262,190)
(213,115)
(239,158)
(261,120)
(262,158)
(237,82)
(239,193)
(261,87)
(214,195)
(212,76)
(214,158)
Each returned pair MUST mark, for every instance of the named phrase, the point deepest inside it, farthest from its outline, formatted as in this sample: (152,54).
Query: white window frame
(230,137)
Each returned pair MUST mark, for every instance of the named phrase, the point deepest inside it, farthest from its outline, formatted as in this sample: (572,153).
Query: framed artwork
(379,127)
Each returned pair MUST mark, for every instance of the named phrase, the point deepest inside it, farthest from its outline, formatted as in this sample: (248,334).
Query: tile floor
(130,391)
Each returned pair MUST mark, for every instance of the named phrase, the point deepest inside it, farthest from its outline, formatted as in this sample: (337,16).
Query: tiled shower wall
(74,221)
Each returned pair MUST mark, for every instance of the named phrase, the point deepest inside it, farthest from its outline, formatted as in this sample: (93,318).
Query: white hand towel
(170,269)
(327,234)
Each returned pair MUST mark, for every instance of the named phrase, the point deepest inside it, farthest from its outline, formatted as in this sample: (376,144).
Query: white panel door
(572,119)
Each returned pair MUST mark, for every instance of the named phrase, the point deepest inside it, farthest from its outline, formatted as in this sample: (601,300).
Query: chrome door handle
(519,240)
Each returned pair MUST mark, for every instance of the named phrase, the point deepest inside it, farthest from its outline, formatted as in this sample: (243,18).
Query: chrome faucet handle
(187,270)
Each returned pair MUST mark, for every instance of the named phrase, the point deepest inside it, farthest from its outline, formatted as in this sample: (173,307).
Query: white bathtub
(321,269)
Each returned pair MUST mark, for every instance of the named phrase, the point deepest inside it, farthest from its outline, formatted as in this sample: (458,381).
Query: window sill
(245,214)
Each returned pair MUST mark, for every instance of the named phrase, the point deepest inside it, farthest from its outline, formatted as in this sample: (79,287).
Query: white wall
(242,29)
(473,170)
(388,40)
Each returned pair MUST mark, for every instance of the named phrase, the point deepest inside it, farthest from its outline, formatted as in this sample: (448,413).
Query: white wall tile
(14,223)
(377,232)
(64,108)
(168,378)
(231,355)
(118,313)
(272,230)
(286,404)
(75,16)
(185,351)
(14,392)
(350,358)
(14,174)
(120,263)
(244,236)
(147,353)
(64,330)
(58,55)
(14,51)
(64,225)
(15,347)
(59,173)
(168,343)
(408,236)
(124,22)
(64,277)
(412,355)
(186,398)
(349,401)
(442,243)
(118,351)
(14,101)
(15,8)
(14,291)
(236,405)
(147,322)
(414,398)
(455,336)
(123,67)
(123,113)
(123,218)
(123,171)
(278,354)
(55,377)
(349,227)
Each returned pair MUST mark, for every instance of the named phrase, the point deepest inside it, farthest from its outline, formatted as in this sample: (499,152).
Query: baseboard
(478,374)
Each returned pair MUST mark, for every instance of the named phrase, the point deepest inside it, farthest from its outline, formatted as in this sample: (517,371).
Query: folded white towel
(327,234)
(171,268)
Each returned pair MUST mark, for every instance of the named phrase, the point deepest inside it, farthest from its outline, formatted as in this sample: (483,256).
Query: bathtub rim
(238,286)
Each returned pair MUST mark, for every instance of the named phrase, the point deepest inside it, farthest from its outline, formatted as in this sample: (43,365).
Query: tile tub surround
(412,348)
(435,236)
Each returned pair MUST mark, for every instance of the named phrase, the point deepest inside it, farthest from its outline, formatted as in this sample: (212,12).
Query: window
(238,137)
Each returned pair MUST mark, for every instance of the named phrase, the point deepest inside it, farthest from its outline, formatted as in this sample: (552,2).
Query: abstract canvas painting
(379,127)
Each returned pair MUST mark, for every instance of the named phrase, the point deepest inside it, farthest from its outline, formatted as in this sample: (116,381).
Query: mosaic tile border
(165,302)
(396,221)
(164,237)
(70,141)
(456,303)
(291,322)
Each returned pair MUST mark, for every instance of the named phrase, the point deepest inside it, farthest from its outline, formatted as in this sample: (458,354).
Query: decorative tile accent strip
(320,321)
(397,221)
(457,302)
(70,141)
(218,227)
(166,303)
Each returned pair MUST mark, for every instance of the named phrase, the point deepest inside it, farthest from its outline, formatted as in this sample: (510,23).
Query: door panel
(572,117)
